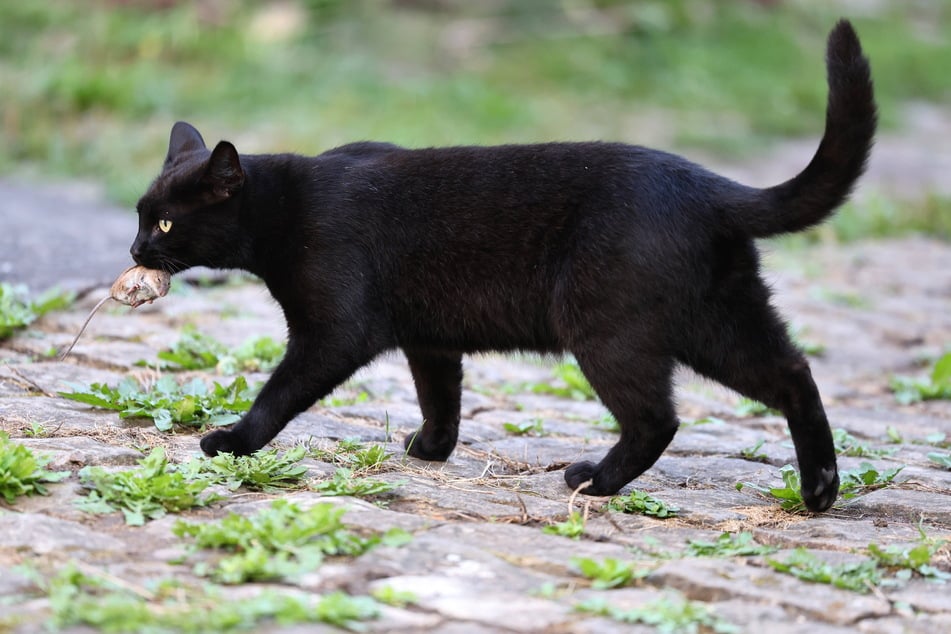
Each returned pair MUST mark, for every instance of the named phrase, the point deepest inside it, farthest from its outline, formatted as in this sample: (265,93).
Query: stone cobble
(478,560)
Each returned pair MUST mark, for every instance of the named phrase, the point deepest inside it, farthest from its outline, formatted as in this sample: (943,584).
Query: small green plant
(576,386)
(167,403)
(936,386)
(841,298)
(609,573)
(747,407)
(572,527)
(36,430)
(706,420)
(345,401)
(937,439)
(858,576)
(22,472)
(369,457)
(344,482)
(940,459)
(671,614)
(279,542)
(909,560)
(728,545)
(753,452)
(789,494)
(353,454)
(18,311)
(848,445)
(642,503)
(144,493)
(197,351)
(77,598)
(526,428)
(894,436)
(391,596)
(865,479)
(808,347)
(608,423)
(260,354)
(260,471)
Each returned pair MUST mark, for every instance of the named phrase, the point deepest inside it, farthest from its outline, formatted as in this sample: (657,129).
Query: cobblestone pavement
(478,560)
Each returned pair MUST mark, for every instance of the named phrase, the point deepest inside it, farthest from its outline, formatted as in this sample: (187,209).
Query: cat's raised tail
(810,197)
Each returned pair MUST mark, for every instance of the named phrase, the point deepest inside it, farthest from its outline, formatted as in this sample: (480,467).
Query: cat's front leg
(311,369)
(438,379)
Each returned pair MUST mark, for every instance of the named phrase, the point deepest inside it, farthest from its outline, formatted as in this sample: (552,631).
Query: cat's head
(190,214)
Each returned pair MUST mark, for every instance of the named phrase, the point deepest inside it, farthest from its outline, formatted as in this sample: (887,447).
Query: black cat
(632,259)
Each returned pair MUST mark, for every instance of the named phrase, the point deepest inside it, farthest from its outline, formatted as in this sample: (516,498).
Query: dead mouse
(136,285)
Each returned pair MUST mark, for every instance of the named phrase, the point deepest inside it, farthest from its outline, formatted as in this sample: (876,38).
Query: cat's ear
(183,138)
(223,173)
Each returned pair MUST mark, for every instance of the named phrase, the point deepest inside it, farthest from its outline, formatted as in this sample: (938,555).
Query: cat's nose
(137,250)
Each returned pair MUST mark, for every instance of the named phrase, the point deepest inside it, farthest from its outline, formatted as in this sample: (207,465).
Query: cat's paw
(418,446)
(585,471)
(820,490)
(225,441)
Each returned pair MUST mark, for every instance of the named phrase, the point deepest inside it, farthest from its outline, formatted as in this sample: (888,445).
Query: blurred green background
(91,88)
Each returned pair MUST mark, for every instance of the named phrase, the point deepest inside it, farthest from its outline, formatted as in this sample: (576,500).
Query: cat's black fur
(632,259)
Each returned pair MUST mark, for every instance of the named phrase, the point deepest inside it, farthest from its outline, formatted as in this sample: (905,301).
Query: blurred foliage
(91,88)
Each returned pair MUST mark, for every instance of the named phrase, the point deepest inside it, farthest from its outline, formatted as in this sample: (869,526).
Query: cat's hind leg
(635,385)
(746,348)
(438,379)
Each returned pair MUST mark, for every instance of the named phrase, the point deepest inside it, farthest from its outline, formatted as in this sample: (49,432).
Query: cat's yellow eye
(165,225)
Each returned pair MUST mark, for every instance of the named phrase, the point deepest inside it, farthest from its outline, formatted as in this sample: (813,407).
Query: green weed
(77,598)
(197,351)
(808,347)
(526,428)
(841,298)
(747,407)
(706,420)
(345,401)
(940,459)
(344,482)
(261,471)
(22,472)
(609,573)
(167,403)
(642,503)
(865,479)
(852,483)
(572,527)
(36,430)
(573,385)
(671,614)
(936,386)
(859,576)
(728,545)
(937,439)
(789,494)
(909,560)
(260,354)
(753,452)
(608,423)
(147,492)
(391,596)
(353,454)
(279,542)
(848,445)
(18,311)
